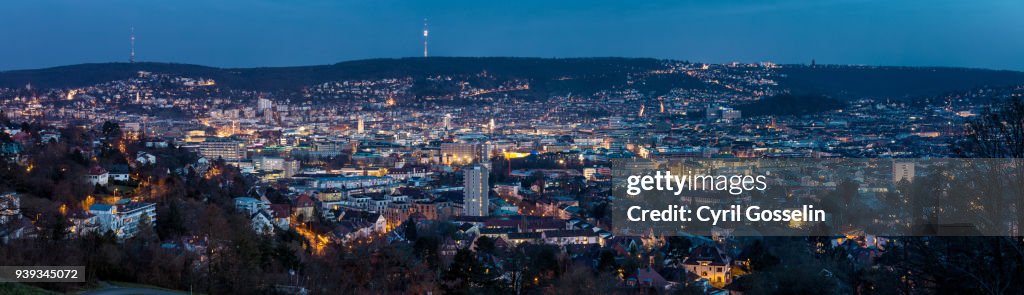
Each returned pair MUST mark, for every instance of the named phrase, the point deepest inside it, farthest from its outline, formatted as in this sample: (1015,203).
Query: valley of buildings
(357,159)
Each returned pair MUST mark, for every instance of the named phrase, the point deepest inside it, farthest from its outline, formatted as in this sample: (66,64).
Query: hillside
(541,71)
(790,105)
(891,82)
(546,76)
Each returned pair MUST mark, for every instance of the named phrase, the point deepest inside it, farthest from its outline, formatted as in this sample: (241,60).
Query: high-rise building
(361,125)
(447,122)
(486,150)
(475,190)
(263,104)
(902,171)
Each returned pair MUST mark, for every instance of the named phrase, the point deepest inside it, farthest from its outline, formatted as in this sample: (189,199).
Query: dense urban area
(472,175)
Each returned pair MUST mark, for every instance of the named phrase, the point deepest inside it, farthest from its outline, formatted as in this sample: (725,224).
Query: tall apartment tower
(475,191)
(263,104)
(902,171)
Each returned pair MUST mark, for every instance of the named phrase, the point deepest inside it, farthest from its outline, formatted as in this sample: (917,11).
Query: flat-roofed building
(224,148)
(459,153)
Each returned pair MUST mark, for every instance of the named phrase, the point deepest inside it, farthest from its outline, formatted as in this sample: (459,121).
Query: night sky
(249,33)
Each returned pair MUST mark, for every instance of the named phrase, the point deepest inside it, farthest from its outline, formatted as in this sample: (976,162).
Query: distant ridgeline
(541,72)
(560,76)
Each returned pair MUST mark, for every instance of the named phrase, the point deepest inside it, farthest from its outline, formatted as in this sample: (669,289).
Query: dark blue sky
(247,33)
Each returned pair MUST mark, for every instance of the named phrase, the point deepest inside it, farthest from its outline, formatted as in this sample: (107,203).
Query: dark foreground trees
(962,265)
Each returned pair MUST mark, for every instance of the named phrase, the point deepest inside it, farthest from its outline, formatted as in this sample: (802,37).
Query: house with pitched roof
(97,176)
(304,208)
(711,263)
(279,214)
(647,277)
(262,222)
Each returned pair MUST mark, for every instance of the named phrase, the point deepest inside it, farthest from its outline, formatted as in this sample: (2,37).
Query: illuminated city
(439,174)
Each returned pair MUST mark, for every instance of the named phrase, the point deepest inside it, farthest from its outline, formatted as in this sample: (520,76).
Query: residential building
(710,263)
(476,190)
(902,171)
(98,176)
(124,219)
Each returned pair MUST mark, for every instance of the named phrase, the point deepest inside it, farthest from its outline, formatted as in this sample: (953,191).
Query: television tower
(425,34)
(132,57)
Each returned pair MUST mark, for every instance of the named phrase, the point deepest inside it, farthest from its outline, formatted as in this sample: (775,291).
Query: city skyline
(468,147)
(272,34)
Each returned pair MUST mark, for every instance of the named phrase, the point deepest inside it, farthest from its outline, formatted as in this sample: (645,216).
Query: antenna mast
(132,57)
(425,34)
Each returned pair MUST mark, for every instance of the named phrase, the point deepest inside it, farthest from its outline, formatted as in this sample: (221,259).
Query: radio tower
(132,57)
(425,34)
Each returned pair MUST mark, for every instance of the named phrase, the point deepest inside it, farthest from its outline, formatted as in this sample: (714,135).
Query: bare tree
(999,133)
